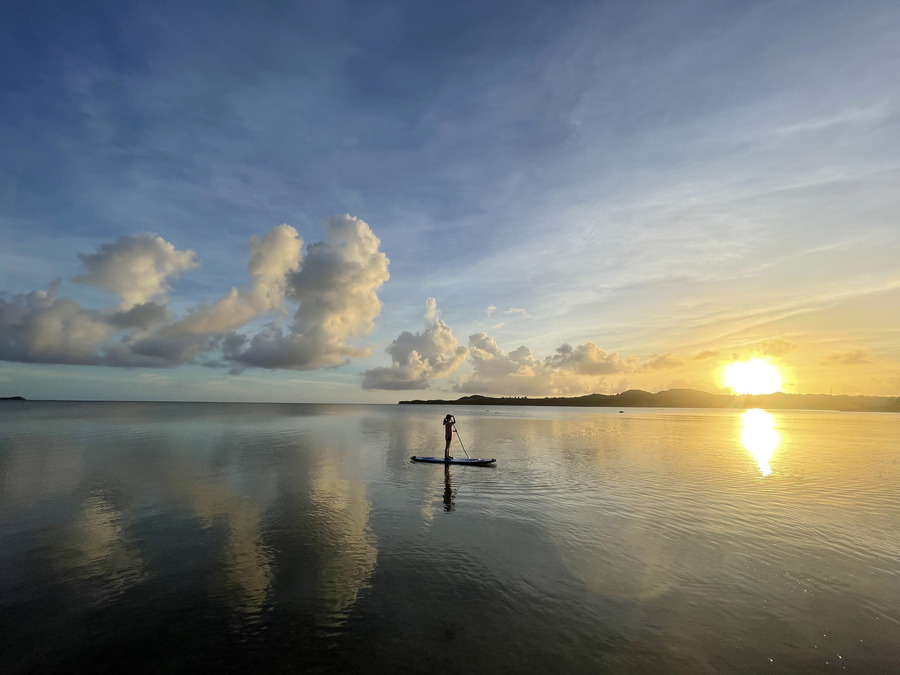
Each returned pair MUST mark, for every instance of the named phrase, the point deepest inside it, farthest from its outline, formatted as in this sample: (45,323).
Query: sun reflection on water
(759,437)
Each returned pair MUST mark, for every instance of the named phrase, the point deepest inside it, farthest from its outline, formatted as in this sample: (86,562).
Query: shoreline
(688,398)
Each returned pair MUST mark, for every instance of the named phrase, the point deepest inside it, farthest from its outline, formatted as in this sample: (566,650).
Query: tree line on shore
(689,398)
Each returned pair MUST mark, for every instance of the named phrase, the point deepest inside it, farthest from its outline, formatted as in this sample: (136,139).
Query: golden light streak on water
(759,437)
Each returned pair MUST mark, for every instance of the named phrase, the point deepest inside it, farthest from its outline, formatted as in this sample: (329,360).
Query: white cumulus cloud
(331,292)
(570,371)
(665,361)
(42,327)
(272,260)
(336,288)
(136,268)
(419,358)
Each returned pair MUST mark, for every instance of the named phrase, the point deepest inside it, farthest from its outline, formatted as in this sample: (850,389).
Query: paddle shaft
(460,439)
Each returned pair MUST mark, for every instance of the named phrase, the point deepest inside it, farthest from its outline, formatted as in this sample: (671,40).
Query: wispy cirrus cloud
(853,357)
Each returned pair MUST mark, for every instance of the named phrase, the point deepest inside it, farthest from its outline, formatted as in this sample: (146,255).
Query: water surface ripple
(176,537)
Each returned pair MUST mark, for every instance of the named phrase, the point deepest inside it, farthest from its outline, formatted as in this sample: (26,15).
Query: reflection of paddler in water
(448,490)
(449,421)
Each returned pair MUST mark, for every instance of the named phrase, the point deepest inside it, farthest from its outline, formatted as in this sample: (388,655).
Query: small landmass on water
(691,398)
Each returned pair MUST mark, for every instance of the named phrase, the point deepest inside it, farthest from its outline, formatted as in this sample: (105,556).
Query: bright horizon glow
(756,376)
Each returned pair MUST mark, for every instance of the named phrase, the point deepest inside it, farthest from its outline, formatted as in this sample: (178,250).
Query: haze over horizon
(367,202)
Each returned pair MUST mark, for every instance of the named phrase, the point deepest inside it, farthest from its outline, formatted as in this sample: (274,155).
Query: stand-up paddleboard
(441,460)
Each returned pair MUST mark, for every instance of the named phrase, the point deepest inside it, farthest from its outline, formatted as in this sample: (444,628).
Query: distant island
(691,398)
(12,398)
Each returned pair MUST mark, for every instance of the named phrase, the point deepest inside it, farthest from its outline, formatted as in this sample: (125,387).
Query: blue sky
(501,198)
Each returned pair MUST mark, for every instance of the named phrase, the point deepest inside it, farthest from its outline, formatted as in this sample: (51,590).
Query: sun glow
(756,376)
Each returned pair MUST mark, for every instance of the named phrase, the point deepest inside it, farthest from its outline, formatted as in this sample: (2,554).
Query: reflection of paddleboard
(441,460)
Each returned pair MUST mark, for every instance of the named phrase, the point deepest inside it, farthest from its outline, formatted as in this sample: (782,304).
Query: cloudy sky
(370,201)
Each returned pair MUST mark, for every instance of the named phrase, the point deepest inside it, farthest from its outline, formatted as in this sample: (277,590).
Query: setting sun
(756,376)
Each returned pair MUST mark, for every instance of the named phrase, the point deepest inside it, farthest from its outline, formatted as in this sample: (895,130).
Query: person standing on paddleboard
(449,421)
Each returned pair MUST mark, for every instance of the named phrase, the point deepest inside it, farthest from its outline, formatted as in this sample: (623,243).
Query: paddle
(460,439)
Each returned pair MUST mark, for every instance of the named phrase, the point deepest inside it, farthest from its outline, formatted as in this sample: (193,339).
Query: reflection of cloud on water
(759,437)
(347,554)
(328,514)
(440,495)
(246,561)
(267,519)
(426,504)
(100,545)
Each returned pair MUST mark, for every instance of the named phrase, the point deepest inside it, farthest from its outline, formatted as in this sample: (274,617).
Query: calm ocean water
(179,537)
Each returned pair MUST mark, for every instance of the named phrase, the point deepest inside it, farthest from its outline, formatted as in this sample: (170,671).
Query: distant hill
(12,398)
(691,398)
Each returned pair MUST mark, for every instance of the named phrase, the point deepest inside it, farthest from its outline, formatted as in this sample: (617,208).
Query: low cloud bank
(41,327)
(421,358)
(569,371)
(327,296)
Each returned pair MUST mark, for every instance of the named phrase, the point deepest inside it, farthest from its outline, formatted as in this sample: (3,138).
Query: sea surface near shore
(175,537)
